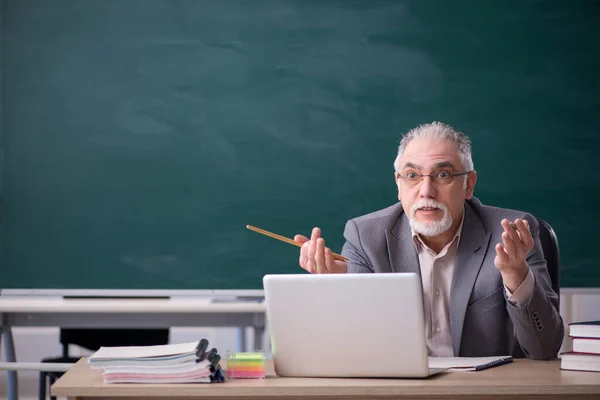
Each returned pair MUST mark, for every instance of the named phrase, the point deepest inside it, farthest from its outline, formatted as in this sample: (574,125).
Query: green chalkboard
(140,137)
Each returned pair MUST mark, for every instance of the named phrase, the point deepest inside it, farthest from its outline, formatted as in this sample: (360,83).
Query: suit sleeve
(523,294)
(537,323)
(353,250)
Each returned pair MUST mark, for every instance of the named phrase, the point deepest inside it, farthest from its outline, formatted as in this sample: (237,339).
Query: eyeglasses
(443,177)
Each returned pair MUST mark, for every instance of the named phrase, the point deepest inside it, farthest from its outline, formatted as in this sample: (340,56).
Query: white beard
(432,228)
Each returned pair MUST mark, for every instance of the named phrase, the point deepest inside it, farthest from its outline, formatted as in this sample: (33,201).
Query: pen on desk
(496,363)
(289,241)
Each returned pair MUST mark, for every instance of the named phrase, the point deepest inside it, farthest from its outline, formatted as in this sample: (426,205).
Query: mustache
(430,203)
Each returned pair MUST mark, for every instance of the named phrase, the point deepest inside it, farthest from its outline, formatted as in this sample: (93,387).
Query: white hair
(438,131)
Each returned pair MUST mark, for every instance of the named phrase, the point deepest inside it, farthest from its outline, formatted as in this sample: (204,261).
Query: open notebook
(468,363)
(175,363)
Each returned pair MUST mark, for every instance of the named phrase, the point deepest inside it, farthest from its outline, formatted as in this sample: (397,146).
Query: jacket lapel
(401,249)
(472,249)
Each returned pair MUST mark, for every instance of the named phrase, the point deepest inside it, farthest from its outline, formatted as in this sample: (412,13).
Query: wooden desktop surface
(522,379)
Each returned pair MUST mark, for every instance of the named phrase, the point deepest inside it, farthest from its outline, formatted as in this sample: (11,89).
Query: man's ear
(397,180)
(471,180)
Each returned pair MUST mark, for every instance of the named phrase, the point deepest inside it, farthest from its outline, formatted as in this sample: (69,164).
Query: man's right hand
(316,258)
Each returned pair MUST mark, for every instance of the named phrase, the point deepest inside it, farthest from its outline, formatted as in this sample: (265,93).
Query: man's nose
(427,187)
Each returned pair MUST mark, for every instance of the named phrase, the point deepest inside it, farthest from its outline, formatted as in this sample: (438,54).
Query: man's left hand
(510,258)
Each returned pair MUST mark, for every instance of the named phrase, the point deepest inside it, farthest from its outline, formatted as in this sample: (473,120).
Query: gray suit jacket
(482,321)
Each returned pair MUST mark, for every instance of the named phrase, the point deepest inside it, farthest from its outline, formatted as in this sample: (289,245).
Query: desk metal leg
(259,332)
(244,338)
(9,356)
(259,335)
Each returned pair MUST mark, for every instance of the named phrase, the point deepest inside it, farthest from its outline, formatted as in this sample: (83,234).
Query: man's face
(433,206)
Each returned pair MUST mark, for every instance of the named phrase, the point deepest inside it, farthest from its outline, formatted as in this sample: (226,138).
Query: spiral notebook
(468,363)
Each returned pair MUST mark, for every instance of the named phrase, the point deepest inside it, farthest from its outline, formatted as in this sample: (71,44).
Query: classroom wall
(32,344)
(147,134)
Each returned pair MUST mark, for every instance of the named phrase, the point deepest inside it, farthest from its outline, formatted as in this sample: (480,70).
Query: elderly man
(486,289)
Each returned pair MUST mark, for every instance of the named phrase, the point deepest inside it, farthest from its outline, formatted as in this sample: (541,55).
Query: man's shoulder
(382,218)
(492,215)
(371,227)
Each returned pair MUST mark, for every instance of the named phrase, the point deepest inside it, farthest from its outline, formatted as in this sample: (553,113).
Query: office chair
(93,339)
(551,253)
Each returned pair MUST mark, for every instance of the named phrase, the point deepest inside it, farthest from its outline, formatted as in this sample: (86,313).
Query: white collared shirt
(436,276)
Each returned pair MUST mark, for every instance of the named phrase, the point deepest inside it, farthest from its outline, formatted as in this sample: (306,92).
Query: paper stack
(176,363)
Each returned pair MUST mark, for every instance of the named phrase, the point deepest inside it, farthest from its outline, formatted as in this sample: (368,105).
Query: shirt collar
(420,244)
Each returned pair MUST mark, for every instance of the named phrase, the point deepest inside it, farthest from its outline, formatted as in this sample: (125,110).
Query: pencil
(289,241)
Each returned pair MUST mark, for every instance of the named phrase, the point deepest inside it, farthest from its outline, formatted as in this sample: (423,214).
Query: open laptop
(347,325)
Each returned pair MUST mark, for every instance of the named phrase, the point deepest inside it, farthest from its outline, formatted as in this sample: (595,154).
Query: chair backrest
(551,253)
(93,339)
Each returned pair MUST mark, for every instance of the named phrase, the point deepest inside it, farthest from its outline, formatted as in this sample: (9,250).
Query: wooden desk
(523,379)
(36,311)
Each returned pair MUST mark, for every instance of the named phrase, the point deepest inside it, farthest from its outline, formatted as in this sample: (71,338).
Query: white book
(196,373)
(165,362)
(580,362)
(166,351)
(202,366)
(588,329)
(586,345)
(137,379)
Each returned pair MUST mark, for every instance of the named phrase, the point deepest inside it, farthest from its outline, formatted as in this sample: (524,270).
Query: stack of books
(585,355)
(176,363)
